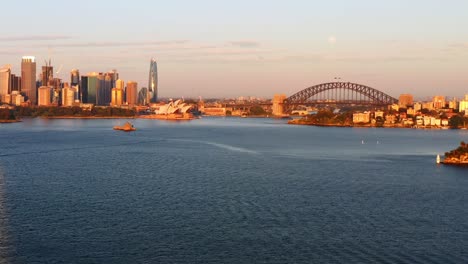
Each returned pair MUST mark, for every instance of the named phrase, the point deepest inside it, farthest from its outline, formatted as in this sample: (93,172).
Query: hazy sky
(216,48)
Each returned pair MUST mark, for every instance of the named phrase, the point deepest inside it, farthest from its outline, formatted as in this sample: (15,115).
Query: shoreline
(371,126)
(9,121)
(87,117)
(166,117)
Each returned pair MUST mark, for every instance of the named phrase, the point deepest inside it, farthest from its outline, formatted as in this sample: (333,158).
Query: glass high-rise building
(153,81)
(93,84)
(28,78)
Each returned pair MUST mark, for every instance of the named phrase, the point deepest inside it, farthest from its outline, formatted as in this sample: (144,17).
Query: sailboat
(438,159)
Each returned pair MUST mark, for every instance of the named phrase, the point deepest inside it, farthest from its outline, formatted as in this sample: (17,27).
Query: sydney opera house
(174,110)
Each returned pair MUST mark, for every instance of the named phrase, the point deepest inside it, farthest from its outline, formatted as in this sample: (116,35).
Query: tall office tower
(104,88)
(405,100)
(438,101)
(5,76)
(153,81)
(93,84)
(68,95)
(15,83)
(117,97)
(74,77)
(131,93)
(28,78)
(75,82)
(84,90)
(45,95)
(47,74)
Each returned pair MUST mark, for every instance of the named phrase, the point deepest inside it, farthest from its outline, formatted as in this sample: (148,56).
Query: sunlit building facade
(28,78)
(45,94)
(153,82)
(131,93)
(5,75)
(405,100)
(117,97)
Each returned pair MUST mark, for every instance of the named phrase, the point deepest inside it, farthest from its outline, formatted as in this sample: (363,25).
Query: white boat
(438,159)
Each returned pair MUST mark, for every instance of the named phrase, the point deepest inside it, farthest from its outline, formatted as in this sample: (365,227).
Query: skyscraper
(5,75)
(28,78)
(47,74)
(153,81)
(131,93)
(93,84)
(75,82)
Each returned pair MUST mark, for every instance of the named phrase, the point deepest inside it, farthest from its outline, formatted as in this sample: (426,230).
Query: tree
(455,121)
(257,110)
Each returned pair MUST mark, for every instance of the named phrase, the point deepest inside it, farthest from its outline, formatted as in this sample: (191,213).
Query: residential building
(405,100)
(438,101)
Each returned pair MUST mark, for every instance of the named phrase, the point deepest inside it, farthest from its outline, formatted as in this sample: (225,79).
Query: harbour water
(228,190)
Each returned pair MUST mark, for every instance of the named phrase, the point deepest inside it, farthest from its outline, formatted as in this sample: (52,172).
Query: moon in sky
(332,40)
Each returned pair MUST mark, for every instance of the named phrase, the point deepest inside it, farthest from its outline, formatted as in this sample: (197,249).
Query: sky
(213,48)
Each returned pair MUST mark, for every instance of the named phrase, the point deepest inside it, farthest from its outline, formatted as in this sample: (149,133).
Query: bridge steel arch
(376,97)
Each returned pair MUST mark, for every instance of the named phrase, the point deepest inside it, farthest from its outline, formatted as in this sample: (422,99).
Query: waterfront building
(153,82)
(28,78)
(5,75)
(395,107)
(390,119)
(16,98)
(379,114)
(45,95)
(405,100)
(438,101)
(117,97)
(361,117)
(131,93)
(68,95)
(463,106)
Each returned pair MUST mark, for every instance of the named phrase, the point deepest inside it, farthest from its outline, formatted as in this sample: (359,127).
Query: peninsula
(458,156)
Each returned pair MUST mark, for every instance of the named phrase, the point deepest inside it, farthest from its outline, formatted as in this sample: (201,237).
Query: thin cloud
(34,38)
(120,44)
(244,44)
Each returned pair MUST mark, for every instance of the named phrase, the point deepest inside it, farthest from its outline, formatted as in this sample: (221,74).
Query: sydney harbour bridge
(332,93)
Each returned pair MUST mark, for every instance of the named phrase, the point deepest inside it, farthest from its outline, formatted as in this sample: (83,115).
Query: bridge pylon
(278,104)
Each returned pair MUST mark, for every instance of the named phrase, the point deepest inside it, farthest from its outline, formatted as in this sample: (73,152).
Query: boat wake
(219,145)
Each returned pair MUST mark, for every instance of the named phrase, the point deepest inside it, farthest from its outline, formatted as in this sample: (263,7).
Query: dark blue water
(228,191)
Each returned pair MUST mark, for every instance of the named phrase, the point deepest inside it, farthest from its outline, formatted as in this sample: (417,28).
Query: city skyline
(213,49)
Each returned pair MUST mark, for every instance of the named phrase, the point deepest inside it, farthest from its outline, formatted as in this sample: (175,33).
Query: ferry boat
(127,127)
